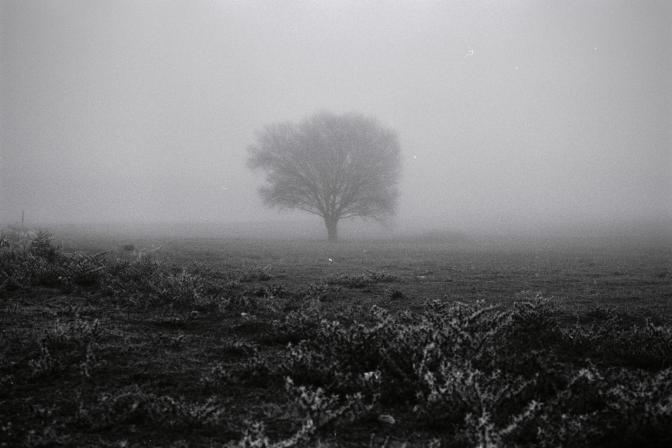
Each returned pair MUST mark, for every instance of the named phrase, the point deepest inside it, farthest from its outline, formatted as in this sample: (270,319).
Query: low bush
(131,405)
(496,377)
(616,341)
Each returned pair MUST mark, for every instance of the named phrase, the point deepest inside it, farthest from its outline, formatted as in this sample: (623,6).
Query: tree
(333,166)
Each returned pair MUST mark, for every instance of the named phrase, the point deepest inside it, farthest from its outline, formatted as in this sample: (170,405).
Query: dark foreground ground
(251,343)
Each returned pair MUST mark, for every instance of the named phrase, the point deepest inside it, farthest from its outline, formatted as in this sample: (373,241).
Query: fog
(512,116)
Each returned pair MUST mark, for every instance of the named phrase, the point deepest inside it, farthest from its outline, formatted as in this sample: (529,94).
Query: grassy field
(629,276)
(368,343)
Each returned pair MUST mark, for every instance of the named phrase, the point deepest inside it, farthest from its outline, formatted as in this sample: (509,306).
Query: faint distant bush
(314,291)
(41,246)
(274,291)
(43,264)
(255,274)
(248,306)
(16,238)
(40,265)
(85,270)
(128,247)
(360,280)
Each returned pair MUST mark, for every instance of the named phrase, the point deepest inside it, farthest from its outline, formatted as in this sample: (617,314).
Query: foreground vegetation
(115,349)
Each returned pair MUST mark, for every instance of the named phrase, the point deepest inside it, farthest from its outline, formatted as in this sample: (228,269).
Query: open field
(627,276)
(216,342)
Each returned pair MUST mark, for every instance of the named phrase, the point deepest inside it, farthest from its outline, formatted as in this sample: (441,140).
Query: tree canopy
(333,166)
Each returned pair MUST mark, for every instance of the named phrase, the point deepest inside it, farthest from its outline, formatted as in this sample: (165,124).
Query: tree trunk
(332,230)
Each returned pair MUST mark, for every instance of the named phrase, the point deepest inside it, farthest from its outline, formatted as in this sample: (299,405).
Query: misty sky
(509,113)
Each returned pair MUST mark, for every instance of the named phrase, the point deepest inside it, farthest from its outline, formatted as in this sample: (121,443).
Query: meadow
(124,342)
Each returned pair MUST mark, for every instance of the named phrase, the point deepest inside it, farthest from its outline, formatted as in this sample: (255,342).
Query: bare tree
(333,166)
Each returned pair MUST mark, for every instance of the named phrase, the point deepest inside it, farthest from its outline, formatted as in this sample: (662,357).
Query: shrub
(495,377)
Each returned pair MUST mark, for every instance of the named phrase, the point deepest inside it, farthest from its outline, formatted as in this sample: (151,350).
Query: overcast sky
(509,113)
